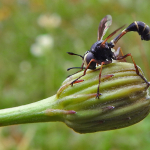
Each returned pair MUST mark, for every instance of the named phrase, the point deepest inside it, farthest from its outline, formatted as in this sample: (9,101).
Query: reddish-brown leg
(122,54)
(75,81)
(100,73)
(92,60)
(136,68)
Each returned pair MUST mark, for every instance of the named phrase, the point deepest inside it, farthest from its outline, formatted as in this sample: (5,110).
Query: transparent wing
(103,26)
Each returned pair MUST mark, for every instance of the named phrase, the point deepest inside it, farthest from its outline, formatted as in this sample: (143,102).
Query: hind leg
(136,68)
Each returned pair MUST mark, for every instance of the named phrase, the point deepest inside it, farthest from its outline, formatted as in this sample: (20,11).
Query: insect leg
(84,73)
(136,68)
(98,94)
(117,53)
(100,73)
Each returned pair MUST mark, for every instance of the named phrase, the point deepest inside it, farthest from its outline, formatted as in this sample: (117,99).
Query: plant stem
(35,112)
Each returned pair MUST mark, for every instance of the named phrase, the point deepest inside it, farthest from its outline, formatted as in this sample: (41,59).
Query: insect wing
(103,26)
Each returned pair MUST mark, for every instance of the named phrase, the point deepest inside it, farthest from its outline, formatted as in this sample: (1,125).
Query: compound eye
(87,58)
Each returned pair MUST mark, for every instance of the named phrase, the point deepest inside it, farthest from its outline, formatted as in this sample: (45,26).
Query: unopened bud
(124,99)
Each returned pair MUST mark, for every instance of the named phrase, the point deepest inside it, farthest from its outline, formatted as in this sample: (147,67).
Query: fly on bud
(124,99)
(102,53)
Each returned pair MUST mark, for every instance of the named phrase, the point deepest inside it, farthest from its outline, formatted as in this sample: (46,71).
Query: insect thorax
(102,53)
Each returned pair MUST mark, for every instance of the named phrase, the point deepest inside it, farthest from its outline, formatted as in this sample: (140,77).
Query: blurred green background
(34,38)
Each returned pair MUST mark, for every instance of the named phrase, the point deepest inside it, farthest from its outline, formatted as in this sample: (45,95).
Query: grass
(26,77)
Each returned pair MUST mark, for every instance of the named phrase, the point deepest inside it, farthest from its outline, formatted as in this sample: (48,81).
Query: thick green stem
(35,112)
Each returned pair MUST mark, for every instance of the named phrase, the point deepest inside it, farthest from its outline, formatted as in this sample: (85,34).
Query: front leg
(84,73)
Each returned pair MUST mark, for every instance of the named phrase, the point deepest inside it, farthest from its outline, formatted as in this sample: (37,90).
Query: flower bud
(124,99)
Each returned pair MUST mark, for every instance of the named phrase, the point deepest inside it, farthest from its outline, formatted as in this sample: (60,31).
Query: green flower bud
(124,99)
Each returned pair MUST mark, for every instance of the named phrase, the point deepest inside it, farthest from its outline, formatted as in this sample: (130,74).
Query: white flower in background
(36,50)
(49,20)
(42,44)
(46,41)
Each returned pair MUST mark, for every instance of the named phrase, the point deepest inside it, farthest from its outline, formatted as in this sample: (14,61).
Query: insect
(101,52)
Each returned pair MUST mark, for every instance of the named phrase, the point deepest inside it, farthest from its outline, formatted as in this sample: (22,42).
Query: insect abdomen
(141,28)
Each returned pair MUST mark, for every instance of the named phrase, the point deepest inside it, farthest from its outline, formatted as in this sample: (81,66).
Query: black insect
(101,51)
